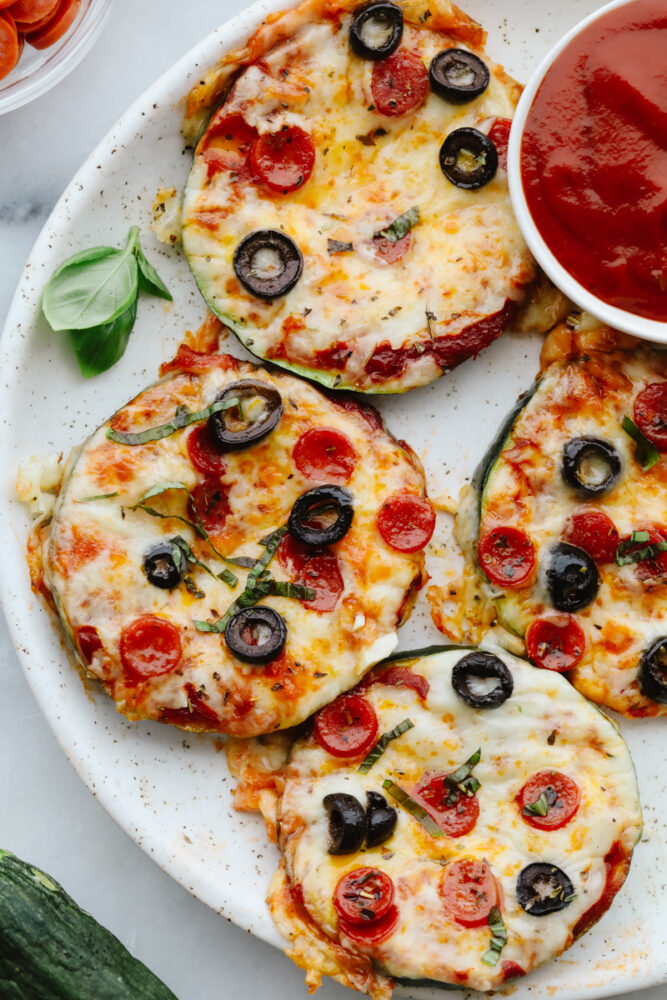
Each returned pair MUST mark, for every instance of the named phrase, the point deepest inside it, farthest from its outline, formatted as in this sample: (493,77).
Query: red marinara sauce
(594,158)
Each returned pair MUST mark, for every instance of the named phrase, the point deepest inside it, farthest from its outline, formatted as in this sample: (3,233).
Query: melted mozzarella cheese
(544,725)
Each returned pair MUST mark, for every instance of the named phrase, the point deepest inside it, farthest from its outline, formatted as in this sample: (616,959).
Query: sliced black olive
(590,465)
(458,75)
(572,578)
(347,823)
(376,29)
(381,819)
(470,679)
(312,508)
(165,565)
(653,672)
(268,263)
(468,158)
(236,428)
(256,635)
(543,889)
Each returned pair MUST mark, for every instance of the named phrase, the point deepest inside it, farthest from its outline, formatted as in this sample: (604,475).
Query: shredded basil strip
(226,576)
(192,588)
(297,590)
(416,811)
(541,806)
(646,453)
(498,939)
(462,778)
(100,496)
(402,225)
(182,418)
(382,744)
(624,557)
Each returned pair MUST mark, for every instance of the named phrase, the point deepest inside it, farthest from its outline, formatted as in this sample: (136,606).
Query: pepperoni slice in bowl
(406,522)
(399,83)
(325,455)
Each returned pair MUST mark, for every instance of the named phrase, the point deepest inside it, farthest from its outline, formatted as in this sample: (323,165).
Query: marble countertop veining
(48,816)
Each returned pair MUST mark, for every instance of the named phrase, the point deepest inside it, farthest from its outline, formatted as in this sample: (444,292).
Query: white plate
(170,791)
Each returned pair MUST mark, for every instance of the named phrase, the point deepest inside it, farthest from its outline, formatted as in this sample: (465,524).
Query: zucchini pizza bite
(565,526)
(347,213)
(459,817)
(233,549)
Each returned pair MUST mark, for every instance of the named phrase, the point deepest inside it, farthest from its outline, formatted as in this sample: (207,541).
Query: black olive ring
(165,565)
(229,440)
(389,15)
(653,672)
(572,578)
(577,453)
(458,76)
(308,504)
(268,286)
(347,823)
(261,652)
(479,148)
(481,664)
(542,889)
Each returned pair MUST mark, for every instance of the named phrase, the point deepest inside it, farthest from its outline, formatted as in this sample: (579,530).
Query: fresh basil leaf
(149,280)
(100,347)
(182,418)
(92,289)
(498,939)
(646,453)
(382,744)
(401,226)
(99,496)
(399,795)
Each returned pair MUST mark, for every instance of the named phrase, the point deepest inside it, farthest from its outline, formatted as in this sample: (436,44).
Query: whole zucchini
(50,949)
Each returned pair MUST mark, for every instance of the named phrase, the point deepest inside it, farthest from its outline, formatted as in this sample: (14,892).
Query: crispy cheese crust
(544,725)
(94,549)
(354,320)
(588,383)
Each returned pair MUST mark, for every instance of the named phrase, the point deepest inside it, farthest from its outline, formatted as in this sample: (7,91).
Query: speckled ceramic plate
(169,790)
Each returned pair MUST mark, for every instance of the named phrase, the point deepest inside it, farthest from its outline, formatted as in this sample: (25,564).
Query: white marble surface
(47,815)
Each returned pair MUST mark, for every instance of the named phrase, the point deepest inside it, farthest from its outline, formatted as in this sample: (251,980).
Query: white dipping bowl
(620,319)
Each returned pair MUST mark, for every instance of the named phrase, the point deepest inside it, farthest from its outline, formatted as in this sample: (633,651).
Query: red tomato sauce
(594,158)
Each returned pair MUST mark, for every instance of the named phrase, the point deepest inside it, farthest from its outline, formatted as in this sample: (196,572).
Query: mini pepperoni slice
(209,503)
(399,83)
(363,896)
(555,641)
(325,455)
(314,568)
(507,556)
(372,933)
(455,812)
(469,891)
(499,134)
(149,646)
(549,800)
(204,453)
(594,532)
(31,11)
(58,24)
(651,414)
(226,145)
(406,521)
(348,727)
(9,47)
(89,642)
(652,568)
(391,251)
(283,161)
(402,677)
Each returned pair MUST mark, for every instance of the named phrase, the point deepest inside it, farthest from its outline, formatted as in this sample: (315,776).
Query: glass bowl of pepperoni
(41,41)
(587,166)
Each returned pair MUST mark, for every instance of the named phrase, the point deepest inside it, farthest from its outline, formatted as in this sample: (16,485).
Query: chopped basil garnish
(498,939)
(624,557)
(196,524)
(182,418)
(192,588)
(541,806)
(416,811)
(296,590)
(382,744)
(462,779)
(99,496)
(226,576)
(646,453)
(401,226)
